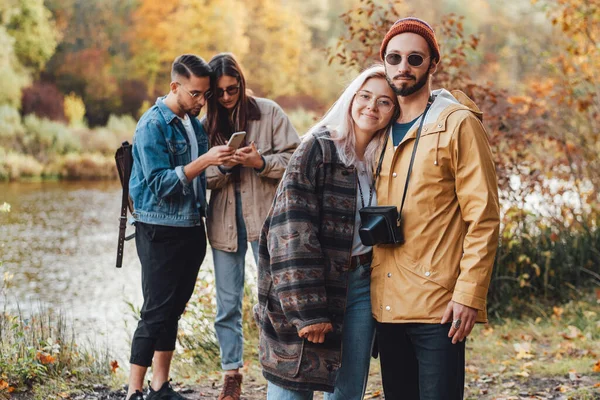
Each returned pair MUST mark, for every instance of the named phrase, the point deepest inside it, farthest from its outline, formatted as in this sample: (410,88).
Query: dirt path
(555,388)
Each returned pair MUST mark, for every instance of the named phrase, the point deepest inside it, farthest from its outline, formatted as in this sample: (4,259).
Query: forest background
(76,74)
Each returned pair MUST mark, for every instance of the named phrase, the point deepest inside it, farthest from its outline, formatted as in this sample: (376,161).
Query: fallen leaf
(45,358)
(114,365)
(523,350)
(375,395)
(572,333)
(558,312)
(471,369)
(596,367)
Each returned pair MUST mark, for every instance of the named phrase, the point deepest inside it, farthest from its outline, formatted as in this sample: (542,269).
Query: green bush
(540,264)
(302,119)
(44,138)
(107,139)
(100,140)
(86,166)
(10,123)
(122,126)
(14,166)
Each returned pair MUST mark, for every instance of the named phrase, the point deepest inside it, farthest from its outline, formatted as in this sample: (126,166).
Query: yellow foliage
(74,109)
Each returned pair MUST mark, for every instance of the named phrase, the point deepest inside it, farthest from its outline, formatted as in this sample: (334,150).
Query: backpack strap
(124,160)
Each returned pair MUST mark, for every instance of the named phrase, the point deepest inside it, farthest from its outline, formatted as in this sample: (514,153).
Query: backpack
(124,161)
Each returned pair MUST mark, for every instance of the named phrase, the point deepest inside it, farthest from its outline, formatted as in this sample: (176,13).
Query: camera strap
(412,158)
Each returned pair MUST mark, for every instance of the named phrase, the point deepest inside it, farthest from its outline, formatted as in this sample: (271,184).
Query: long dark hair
(220,125)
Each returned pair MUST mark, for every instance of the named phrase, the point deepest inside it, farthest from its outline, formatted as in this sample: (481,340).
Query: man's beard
(408,89)
(193,111)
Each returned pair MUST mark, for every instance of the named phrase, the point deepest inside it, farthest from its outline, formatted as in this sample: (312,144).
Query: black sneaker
(166,392)
(137,396)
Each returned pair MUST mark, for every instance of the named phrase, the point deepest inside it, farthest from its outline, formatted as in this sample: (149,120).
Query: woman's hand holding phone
(249,157)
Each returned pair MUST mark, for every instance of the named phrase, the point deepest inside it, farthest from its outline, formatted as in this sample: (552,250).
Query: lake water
(58,244)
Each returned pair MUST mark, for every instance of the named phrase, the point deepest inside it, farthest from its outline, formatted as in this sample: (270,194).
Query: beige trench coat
(276,139)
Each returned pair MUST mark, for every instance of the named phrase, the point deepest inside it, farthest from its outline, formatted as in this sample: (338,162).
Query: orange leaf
(596,367)
(3,384)
(45,358)
(114,365)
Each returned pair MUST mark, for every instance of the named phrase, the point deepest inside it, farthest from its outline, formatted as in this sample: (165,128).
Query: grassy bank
(40,358)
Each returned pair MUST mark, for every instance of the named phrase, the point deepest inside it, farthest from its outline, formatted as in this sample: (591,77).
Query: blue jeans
(357,341)
(229,279)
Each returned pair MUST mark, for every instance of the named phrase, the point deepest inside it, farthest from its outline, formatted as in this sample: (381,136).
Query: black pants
(171,258)
(419,362)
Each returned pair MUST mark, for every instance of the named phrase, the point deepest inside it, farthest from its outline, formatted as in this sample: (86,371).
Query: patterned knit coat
(304,254)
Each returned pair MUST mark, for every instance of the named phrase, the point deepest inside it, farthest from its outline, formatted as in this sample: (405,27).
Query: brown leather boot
(232,387)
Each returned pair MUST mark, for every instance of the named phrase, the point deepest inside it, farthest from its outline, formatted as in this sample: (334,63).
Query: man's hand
(249,157)
(316,333)
(219,155)
(466,315)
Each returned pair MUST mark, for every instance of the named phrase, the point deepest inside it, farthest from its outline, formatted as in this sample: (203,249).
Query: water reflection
(59,243)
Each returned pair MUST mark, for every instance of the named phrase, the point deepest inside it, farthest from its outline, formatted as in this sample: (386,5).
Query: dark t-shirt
(400,130)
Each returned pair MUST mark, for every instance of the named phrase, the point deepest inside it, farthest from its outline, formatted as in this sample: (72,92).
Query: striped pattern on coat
(304,255)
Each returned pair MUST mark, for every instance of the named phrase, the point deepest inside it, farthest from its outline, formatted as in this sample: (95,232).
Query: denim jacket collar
(166,112)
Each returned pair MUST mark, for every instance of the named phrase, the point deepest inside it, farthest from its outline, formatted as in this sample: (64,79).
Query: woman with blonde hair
(314,306)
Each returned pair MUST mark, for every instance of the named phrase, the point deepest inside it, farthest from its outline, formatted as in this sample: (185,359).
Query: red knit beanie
(414,25)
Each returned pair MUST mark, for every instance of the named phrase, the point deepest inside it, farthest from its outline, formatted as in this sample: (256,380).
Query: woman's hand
(316,333)
(249,157)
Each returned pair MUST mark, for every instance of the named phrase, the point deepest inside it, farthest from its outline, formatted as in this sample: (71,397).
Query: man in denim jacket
(168,188)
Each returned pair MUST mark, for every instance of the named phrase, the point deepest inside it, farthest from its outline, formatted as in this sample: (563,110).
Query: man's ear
(433,67)
(174,86)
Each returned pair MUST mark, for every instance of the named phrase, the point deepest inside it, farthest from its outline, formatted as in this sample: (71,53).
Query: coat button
(439,125)
(425,129)
(389,274)
(381,307)
(427,273)
(345,173)
(388,308)
(230,226)
(394,174)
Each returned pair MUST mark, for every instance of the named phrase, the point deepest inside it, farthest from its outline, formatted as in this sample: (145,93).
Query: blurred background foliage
(76,75)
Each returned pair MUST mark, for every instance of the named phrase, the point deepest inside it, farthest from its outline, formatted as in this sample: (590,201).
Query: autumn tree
(28,39)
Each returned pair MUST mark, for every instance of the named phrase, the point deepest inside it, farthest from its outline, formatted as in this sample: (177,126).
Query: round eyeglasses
(383,103)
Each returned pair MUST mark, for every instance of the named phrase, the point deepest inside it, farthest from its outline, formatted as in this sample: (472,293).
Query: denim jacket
(161,193)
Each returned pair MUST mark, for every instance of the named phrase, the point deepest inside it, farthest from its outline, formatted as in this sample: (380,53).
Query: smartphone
(236,139)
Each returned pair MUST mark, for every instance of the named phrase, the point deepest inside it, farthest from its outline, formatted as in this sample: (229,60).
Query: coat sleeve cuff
(260,170)
(469,300)
(224,170)
(183,179)
(303,324)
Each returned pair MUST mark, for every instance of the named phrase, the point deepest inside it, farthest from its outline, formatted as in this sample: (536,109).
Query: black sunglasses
(414,59)
(231,90)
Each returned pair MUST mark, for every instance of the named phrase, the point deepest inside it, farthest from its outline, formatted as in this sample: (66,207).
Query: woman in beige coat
(240,198)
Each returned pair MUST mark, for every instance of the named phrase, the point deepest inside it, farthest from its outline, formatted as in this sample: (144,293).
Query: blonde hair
(338,120)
